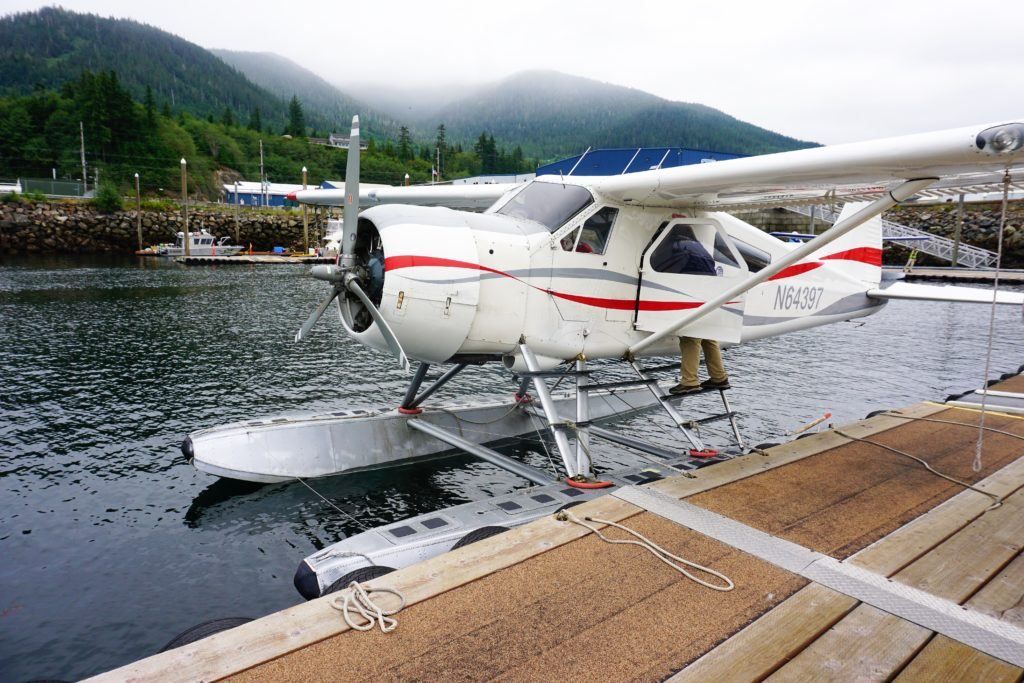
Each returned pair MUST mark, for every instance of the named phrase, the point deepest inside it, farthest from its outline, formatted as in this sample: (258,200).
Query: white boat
(201,243)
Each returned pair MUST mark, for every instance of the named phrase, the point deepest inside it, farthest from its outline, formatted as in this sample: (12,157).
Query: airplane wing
(961,160)
(906,290)
(468,197)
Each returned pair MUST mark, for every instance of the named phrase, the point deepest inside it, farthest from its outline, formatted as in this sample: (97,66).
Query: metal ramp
(939,247)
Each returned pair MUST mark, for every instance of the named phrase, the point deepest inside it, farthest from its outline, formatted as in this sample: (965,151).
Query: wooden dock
(246,259)
(964,275)
(551,601)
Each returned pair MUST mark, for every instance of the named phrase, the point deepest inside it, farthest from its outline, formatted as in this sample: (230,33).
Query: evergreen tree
(441,144)
(150,107)
(228,117)
(165,110)
(404,144)
(255,122)
(296,119)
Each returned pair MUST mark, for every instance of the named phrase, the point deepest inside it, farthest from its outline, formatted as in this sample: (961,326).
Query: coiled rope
(356,600)
(656,550)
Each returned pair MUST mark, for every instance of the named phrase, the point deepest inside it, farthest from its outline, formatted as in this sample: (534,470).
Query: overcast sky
(831,71)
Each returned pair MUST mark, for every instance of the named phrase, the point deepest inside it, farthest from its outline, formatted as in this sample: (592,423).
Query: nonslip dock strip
(992,636)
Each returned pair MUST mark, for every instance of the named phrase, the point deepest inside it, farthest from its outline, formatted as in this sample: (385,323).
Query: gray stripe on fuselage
(852,303)
(570,273)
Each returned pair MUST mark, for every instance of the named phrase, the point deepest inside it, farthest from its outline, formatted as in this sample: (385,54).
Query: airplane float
(546,276)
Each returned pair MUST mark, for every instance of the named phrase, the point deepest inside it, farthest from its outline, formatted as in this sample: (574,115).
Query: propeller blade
(382,325)
(351,217)
(315,315)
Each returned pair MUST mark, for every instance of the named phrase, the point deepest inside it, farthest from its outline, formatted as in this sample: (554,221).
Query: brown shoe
(680,389)
(712,384)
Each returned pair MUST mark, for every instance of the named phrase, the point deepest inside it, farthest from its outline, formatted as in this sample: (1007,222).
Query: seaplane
(560,277)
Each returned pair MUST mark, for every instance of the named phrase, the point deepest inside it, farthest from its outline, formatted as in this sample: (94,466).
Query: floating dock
(246,259)
(986,275)
(850,562)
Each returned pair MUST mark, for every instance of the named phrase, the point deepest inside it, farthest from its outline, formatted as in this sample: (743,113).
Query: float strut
(694,440)
(491,456)
(414,386)
(555,424)
(440,382)
(583,463)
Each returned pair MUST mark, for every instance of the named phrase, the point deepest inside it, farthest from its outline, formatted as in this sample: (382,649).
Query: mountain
(284,78)
(554,114)
(52,46)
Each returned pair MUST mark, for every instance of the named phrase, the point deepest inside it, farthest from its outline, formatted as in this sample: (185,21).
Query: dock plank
(779,635)
(870,644)
(843,653)
(946,659)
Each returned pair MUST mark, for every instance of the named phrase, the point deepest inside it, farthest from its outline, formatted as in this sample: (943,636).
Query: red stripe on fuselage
(795,269)
(397,262)
(869,255)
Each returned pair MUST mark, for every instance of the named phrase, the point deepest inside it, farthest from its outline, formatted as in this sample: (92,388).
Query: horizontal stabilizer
(969,295)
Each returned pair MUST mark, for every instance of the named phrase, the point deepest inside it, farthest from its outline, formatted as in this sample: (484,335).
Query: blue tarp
(632,160)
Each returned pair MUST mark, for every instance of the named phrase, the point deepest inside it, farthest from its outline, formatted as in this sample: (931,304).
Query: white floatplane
(559,271)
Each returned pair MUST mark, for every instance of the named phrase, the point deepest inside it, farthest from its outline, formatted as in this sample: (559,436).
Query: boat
(201,243)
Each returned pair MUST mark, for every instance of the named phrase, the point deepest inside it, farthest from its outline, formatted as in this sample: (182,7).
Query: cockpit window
(550,204)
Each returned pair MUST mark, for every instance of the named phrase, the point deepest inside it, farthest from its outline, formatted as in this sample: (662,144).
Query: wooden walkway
(550,601)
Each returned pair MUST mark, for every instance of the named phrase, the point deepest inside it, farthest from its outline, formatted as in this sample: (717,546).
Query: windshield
(550,204)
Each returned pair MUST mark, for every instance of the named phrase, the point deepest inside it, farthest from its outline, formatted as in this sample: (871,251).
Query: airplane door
(692,261)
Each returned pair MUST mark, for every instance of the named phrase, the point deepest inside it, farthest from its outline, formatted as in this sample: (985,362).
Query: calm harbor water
(110,543)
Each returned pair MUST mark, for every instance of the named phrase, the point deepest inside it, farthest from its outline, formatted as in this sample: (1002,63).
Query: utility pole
(438,152)
(184,205)
(238,202)
(305,220)
(138,211)
(81,140)
(959,229)
(263,178)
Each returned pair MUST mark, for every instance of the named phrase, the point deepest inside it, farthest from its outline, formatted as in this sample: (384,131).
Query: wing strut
(883,203)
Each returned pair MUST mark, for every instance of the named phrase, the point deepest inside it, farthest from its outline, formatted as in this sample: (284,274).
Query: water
(110,543)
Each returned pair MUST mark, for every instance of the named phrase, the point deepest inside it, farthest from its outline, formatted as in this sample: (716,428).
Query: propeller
(343,276)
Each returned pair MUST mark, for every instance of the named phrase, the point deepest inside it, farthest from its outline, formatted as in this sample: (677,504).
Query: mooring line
(997,500)
(317,493)
(976,465)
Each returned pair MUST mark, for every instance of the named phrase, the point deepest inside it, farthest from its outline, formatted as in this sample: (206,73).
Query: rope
(997,501)
(459,418)
(656,550)
(338,509)
(356,600)
(954,422)
(976,465)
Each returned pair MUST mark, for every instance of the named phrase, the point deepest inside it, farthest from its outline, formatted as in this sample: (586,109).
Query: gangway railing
(967,255)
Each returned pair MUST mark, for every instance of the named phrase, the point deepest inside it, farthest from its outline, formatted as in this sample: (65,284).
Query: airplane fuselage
(469,285)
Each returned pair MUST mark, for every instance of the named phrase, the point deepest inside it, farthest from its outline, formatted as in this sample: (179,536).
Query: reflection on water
(110,543)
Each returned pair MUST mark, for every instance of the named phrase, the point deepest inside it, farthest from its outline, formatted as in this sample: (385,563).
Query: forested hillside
(39,135)
(320,99)
(551,114)
(47,48)
(146,98)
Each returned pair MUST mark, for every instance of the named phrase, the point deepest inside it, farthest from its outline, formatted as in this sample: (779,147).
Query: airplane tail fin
(858,253)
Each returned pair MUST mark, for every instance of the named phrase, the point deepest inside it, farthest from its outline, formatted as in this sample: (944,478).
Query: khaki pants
(689,349)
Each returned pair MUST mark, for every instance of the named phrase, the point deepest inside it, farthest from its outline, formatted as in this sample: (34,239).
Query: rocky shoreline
(78,227)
